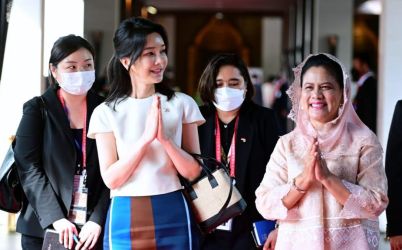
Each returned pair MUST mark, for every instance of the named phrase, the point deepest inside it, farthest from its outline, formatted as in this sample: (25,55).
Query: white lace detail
(362,203)
(273,207)
(319,221)
(353,238)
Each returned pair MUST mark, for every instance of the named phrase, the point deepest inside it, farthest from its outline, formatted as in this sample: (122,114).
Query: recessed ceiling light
(372,7)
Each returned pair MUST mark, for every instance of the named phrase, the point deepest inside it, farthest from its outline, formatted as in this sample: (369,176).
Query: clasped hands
(154,125)
(315,169)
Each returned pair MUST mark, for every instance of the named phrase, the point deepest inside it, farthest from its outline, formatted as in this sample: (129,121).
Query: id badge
(227,226)
(78,211)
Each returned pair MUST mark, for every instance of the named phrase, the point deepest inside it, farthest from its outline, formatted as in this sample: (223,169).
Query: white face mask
(228,99)
(77,83)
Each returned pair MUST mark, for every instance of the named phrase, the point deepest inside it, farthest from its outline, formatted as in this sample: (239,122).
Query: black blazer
(256,138)
(366,103)
(46,157)
(393,169)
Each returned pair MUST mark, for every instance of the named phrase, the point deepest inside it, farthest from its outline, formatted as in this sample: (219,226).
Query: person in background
(143,133)
(280,105)
(240,134)
(393,169)
(58,166)
(256,75)
(365,100)
(325,182)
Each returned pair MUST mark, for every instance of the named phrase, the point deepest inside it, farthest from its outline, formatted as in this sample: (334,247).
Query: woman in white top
(143,133)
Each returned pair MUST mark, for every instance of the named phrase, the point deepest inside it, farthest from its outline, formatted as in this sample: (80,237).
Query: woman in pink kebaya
(325,182)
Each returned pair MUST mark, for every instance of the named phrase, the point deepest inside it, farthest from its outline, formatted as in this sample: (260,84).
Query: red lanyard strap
(232,150)
(84,128)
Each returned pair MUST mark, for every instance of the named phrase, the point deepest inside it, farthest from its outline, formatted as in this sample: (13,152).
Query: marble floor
(11,241)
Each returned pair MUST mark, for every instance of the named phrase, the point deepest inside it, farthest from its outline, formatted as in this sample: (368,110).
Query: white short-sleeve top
(155,173)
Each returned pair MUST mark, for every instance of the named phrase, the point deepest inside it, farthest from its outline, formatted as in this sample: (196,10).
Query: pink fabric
(351,152)
(335,132)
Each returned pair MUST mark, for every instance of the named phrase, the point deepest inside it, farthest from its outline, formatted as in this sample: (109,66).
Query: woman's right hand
(307,177)
(151,125)
(271,240)
(396,242)
(66,229)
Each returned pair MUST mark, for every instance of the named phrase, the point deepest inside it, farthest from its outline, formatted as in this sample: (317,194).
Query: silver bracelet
(296,187)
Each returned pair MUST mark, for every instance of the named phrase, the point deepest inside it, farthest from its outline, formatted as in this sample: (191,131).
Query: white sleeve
(99,122)
(191,112)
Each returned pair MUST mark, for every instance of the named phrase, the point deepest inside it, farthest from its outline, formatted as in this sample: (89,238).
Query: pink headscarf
(336,135)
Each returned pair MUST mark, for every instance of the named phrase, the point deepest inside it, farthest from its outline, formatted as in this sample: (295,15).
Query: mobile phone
(76,239)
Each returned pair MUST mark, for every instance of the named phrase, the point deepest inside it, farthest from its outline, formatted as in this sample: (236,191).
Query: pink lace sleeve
(368,197)
(274,187)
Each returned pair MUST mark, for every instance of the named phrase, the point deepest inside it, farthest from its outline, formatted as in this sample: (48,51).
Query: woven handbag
(213,196)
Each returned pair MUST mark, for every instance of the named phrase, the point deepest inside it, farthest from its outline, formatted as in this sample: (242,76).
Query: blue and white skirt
(150,222)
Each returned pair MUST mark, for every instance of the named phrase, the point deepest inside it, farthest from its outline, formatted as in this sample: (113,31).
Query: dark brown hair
(63,47)
(129,41)
(207,84)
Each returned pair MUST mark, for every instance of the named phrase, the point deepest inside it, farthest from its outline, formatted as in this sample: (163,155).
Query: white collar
(364,77)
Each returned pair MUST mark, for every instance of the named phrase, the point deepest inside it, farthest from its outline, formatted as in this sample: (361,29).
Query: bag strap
(43,108)
(9,157)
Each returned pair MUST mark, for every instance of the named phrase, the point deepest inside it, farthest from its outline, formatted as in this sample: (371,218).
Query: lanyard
(232,150)
(84,129)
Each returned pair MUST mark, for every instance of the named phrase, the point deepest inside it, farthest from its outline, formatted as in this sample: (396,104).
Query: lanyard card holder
(78,211)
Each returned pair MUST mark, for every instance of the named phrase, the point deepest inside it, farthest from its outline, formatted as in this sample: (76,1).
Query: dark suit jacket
(393,169)
(46,158)
(366,103)
(256,138)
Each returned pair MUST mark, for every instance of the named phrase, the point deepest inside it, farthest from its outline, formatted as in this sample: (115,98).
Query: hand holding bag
(213,196)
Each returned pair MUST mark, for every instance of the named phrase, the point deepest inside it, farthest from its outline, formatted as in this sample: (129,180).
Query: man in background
(393,169)
(365,101)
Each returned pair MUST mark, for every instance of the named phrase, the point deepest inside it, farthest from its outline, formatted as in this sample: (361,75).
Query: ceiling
(220,5)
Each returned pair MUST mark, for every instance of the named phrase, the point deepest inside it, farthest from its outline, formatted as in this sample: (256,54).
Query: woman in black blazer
(226,90)
(52,151)
(393,169)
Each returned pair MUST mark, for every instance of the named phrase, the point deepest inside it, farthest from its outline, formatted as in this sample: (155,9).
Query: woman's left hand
(161,136)
(322,172)
(88,236)
(271,240)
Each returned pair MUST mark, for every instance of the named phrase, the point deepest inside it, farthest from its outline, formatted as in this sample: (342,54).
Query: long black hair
(129,41)
(207,84)
(63,47)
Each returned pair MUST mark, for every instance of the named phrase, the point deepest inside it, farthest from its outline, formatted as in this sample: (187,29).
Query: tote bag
(213,196)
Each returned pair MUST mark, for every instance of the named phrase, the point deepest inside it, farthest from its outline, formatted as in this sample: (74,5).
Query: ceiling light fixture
(371,7)
(152,10)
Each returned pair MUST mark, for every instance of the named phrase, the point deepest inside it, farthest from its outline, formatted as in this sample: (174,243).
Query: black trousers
(222,240)
(31,242)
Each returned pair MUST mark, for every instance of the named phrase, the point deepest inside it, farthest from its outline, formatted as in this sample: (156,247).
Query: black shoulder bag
(11,193)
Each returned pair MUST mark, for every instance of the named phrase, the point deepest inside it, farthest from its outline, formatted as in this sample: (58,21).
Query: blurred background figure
(257,78)
(274,96)
(365,101)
